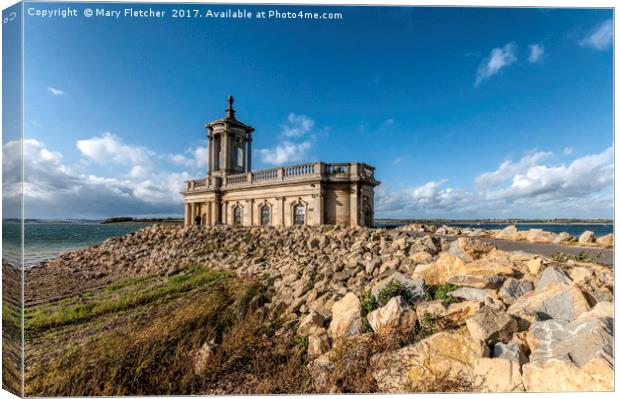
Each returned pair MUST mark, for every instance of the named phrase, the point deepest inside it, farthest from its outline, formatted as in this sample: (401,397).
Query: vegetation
(441,292)
(117,343)
(581,256)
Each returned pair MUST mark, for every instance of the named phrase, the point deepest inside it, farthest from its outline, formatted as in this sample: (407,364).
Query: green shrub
(394,288)
(441,292)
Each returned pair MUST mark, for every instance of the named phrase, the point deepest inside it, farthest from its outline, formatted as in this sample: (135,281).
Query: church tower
(230,145)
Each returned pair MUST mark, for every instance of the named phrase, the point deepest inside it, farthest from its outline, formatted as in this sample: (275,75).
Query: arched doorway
(367,217)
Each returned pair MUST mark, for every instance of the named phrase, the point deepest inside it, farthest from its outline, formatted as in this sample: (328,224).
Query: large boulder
(450,266)
(512,289)
(491,325)
(497,375)
(555,301)
(606,240)
(413,289)
(395,314)
(508,233)
(346,317)
(472,294)
(587,237)
(575,356)
(540,236)
(442,355)
(550,275)
(512,351)
(469,249)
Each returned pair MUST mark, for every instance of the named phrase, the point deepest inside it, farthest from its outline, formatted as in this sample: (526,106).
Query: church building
(310,193)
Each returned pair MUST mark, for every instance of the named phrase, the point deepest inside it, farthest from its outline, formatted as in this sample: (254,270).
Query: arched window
(299,214)
(237,215)
(265,215)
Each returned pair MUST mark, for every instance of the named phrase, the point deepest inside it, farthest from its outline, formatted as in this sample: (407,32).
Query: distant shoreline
(467,222)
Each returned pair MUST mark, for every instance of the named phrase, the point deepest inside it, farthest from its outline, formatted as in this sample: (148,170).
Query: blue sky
(465,113)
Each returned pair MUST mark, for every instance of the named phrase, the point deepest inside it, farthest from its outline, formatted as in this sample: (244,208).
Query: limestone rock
(606,240)
(552,274)
(453,314)
(512,289)
(310,323)
(573,356)
(318,344)
(388,316)
(580,274)
(441,355)
(562,237)
(540,236)
(448,265)
(490,326)
(471,294)
(512,351)
(586,237)
(497,375)
(555,301)
(534,265)
(469,249)
(476,281)
(421,257)
(508,233)
(413,288)
(346,317)
(202,356)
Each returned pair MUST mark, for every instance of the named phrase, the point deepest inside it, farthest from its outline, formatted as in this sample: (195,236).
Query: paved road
(606,258)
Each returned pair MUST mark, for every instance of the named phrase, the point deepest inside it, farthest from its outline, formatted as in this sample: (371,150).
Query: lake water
(47,240)
(572,229)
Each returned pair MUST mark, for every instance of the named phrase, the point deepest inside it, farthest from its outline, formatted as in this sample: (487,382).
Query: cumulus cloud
(194,157)
(600,37)
(54,189)
(110,148)
(295,140)
(285,152)
(297,126)
(536,53)
(528,187)
(56,92)
(499,58)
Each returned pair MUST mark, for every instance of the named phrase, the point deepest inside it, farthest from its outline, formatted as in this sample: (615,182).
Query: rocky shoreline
(493,320)
(586,239)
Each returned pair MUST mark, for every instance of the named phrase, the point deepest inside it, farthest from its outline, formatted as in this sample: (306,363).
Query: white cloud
(536,53)
(111,149)
(194,157)
(599,38)
(567,151)
(53,189)
(525,188)
(297,126)
(396,161)
(56,92)
(295,140)
(500,57)
(285,152)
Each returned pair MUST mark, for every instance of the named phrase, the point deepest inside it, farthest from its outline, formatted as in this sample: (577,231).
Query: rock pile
(514,321)
(586,239)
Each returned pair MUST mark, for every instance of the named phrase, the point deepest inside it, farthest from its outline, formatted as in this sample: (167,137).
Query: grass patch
(441,292)
(140,295)
(159,357)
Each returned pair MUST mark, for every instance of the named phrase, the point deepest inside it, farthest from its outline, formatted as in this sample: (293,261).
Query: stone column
(354,205)
(210,155)
(187,215)
(224,151)
(248,162)
(318,209)
(251,211)
(282,212)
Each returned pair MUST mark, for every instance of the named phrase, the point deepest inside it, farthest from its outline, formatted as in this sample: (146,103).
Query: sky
(465,112)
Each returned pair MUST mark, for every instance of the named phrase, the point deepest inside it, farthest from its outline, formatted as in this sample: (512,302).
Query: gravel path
(606,258)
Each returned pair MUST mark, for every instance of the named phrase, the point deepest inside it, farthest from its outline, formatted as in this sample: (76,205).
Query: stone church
(310,193)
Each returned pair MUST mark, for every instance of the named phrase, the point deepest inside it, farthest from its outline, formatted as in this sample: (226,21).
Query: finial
(230,112)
